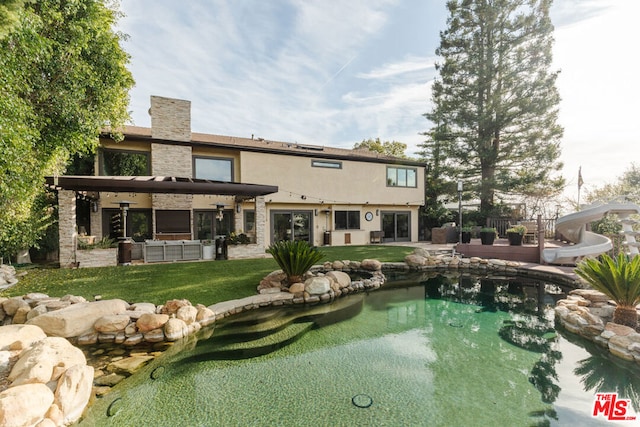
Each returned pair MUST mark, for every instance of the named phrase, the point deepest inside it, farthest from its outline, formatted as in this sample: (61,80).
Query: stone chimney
(170,119)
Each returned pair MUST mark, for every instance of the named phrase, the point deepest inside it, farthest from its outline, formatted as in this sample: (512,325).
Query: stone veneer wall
(68,232)
(97,257)
(170,118)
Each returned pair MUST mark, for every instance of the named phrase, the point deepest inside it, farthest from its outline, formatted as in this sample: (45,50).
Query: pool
(426,350)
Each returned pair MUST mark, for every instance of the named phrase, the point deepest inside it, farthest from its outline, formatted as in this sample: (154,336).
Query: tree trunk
(626,315)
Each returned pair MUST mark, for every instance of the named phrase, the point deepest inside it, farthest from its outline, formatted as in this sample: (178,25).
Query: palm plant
(294,258)
(617,278)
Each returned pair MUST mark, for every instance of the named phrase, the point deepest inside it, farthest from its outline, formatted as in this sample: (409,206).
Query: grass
(200,282)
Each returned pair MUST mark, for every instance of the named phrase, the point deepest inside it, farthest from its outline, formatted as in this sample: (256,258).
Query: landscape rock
(371,264)
(25,335)
(148,322)
(24,405)
(317,285)
(77,319)
(175,329)
(111,323)
(74,391)
(37,363)
(187,313)
(341,278)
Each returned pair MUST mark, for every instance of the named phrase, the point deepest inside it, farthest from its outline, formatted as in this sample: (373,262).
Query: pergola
(89,187)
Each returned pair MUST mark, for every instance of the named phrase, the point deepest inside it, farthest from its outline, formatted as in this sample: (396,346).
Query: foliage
(200,282)
(619,279)
(495,101)
(9,10)
(63,78)
(520,229)
(626,187)
(294,257)
(393,148)
(104,243)
(489,230)
(239,239)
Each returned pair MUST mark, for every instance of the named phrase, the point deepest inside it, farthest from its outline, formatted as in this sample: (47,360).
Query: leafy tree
(63,78)
(393,148)
(9,15)
(495,100)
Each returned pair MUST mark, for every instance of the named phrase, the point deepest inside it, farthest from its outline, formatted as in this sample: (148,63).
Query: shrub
(619,279)
(295,258)
(520,229)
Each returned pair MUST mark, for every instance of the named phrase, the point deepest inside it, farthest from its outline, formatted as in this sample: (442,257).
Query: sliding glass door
(396,226)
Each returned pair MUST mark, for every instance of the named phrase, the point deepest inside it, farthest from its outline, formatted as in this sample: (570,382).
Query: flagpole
(580,182)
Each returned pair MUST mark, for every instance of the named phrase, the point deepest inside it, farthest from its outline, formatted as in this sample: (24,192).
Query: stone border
(142,323)
(588,313)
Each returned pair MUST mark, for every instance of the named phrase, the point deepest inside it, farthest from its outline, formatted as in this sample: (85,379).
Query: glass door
(203,225)
(396,226)
(291,225)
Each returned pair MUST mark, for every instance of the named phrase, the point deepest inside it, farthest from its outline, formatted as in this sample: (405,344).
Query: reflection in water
(603,373)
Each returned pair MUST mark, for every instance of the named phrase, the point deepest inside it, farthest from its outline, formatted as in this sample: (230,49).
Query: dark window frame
(399,170)
(347,223)
(230,160)
(327,164)
(101,160)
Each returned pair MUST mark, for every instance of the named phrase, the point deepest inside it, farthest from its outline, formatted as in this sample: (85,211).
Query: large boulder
(112,323)
(341,278)
(148,322)
(45,361)
(24,404)
(17,337)
(77,319)
(371,264)
(74,391)
(317,285)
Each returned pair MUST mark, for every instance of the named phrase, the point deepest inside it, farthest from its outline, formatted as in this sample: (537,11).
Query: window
(173,221)
(326,164)
(213,168)
(249,221)
(124,163)
(347,220)
(401,177)
(138,224)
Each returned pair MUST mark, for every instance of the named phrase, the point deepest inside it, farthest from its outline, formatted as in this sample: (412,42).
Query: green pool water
(443,352)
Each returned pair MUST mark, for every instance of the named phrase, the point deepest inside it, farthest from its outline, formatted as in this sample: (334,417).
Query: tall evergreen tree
(495,100)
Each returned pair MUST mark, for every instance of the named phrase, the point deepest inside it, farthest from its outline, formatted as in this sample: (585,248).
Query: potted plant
(515,234)
(488,235)
(466,234)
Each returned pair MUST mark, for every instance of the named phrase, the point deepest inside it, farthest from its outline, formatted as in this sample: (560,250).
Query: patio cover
(158,184)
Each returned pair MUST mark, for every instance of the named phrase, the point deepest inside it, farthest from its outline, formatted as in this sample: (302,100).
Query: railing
(501,224)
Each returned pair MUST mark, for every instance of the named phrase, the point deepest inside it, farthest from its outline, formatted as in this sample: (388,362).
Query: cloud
(397,69)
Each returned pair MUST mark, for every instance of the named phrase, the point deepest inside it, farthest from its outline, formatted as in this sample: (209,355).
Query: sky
(336,72)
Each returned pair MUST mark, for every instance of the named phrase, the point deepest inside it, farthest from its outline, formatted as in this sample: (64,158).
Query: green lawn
(199,282)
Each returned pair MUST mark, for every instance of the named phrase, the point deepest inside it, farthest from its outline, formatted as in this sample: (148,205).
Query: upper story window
(326,164)
(401,177)
(124,163)
(347,220)
(213,168)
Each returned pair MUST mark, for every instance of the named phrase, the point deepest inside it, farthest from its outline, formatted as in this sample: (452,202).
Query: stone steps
(216,350)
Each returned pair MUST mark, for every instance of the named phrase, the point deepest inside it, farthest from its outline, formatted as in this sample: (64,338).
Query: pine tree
(495,100)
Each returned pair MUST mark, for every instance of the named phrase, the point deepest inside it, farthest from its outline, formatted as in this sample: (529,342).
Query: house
(324,195)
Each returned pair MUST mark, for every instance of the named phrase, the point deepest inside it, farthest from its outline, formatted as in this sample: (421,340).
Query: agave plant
(295,258)
(617,278)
